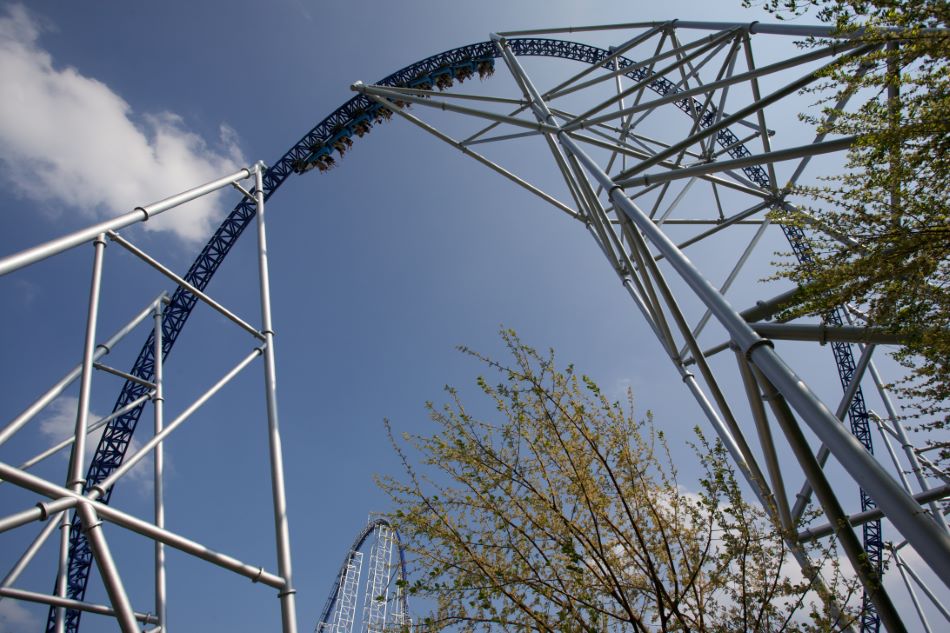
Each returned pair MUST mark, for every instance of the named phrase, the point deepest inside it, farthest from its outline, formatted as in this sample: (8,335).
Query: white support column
(287,593)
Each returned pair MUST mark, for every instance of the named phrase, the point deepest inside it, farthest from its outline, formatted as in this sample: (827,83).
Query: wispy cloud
(70,141)
(15,618)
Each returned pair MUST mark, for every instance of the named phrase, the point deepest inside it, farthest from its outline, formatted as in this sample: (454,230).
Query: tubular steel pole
(31,596)
(100,488)
(95,426)
(92,526)
(101,350)
(74,477)
(869,577)
(63,497)
(30,552)
(139,214)
(158,401)
(287,593)
(63,565)
(920,529)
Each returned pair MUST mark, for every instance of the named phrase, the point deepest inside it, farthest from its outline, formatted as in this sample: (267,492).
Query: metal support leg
(832,507)
(158,402)
(74,478)
(287,594)
(913,594)
(92,527)
(62,572)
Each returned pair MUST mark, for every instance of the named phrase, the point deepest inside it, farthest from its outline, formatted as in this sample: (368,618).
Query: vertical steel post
(158,401)
(287,593)
(61,575)
(74,477)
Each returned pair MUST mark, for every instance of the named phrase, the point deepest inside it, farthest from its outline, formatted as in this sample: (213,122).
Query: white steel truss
(376,598)
(88,501)
(636,188)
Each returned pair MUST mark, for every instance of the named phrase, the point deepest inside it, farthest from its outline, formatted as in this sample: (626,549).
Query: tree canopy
(560,511)
(891,201)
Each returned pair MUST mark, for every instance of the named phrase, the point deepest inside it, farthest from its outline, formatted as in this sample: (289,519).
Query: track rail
(344,122)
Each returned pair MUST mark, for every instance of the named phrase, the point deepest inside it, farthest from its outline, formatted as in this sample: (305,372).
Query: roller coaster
(603,148)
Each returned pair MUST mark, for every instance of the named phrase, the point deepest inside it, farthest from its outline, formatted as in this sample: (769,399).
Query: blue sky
(379,268)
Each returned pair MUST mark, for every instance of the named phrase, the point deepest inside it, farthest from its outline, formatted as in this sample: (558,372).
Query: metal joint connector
(44,511)
(144,212)
(286,592)
(759,343)
(260,572)
(89,528)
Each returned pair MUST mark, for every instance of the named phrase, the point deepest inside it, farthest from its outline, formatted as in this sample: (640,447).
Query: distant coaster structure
(627,183)
(385,589)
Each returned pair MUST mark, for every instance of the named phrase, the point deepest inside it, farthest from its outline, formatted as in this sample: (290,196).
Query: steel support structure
(631,239)
(385,601)
(79,504)
(657,66)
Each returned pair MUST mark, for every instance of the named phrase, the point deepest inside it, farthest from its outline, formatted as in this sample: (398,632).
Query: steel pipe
(92,527)
(139,214)
(933,494)
(158,467)
(56,390)
(41,598)
(118,239)
(48,489)
(100,488)
(288,608)
(823,333)
(776,156)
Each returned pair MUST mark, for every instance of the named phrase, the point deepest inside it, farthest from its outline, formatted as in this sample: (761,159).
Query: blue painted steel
(335,133)
(357,544)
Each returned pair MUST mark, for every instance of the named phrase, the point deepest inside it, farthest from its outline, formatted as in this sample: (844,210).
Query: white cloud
(69,140)
(60,424)
(14,618)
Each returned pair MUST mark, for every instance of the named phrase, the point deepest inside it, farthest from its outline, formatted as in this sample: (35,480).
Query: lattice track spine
(347,598)
(376,598)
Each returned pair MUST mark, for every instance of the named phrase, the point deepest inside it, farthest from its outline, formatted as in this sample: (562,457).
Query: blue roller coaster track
(335,132)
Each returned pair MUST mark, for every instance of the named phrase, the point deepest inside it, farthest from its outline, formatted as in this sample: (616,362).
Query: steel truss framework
(691,66)
(80,506)
(381,611)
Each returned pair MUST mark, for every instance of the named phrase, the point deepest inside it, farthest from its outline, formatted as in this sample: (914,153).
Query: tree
(892,198)
(567,515)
